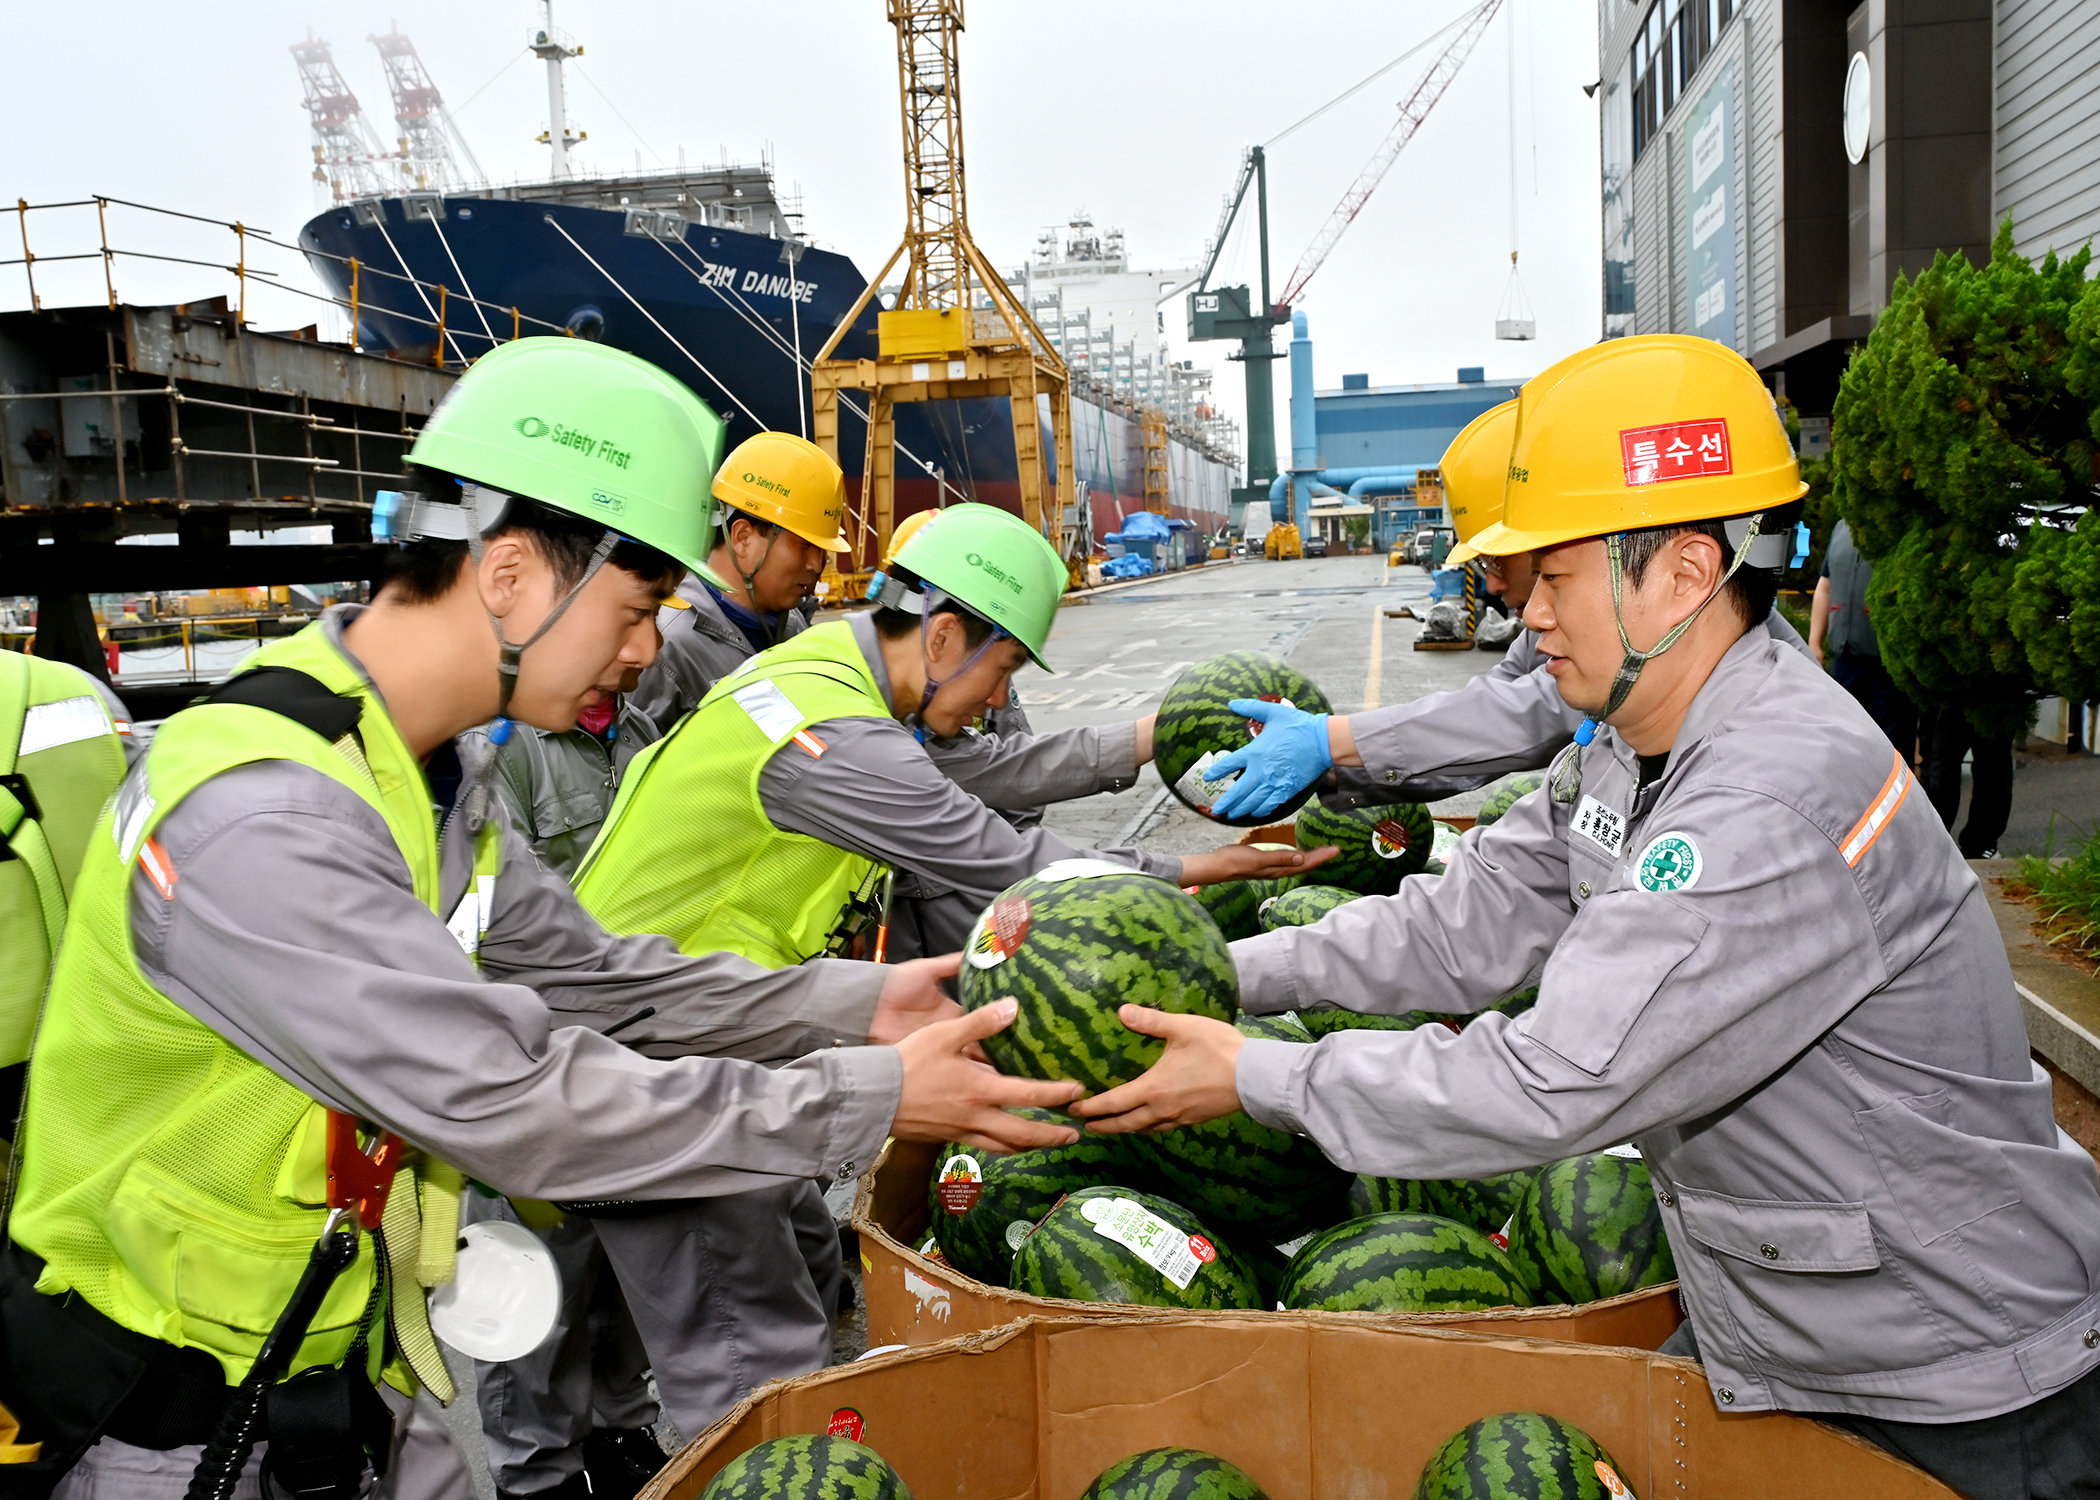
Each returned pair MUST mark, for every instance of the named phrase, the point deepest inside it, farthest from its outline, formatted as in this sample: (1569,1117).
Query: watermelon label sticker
(961,1185)
(849,1424)
(1152,1239)
(1612,1482)
(1202,1249)
(1670,863)
(1016,1232)
(1390,838)
(1601,825)
(1195,789)
(1000,931)
(1254,726)
(1500,1238)
(1630,1151)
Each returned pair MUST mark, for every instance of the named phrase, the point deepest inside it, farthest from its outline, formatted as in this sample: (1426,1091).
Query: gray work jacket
(1774,972)
(295,933)
(559,788)
(701,646)
(1510,718)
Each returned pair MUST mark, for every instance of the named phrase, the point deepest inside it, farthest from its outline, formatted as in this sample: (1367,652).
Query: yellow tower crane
(957,330)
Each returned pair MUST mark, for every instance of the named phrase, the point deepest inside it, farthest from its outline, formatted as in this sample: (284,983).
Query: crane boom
(1414,109)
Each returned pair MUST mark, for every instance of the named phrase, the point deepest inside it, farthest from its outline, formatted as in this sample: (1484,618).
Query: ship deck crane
(957,331)
(435,156)
(1228,312)
(349,159)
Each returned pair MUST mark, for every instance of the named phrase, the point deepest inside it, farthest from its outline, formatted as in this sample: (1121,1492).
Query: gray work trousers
(426,1464)
(591,1372)
(728,1293)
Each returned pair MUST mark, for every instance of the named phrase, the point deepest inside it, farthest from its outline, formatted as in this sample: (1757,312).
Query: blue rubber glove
(1287,756)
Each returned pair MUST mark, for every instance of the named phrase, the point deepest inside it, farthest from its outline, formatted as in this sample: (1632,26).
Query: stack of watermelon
(1193,1217)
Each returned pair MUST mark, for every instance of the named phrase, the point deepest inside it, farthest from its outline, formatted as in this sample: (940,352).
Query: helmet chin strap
(1567,780)
(934,684)
(750,583)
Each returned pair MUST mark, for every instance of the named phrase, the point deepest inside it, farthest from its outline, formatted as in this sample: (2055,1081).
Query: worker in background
(1510,718)
(1002,762)
(1837,619)
(1758,958)
(65,740)
(770,548)
(764,825)
(274,954)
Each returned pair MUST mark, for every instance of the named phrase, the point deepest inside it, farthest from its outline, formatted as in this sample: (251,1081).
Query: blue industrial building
(1356,451)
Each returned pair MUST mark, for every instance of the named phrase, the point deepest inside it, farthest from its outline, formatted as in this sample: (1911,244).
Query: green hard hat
(997,564)
(586,429)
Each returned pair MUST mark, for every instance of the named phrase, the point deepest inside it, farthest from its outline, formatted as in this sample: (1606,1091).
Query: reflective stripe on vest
(60,759)
(688,851)
(183,1203)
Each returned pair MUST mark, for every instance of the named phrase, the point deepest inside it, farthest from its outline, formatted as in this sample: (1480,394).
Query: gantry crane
(956,331)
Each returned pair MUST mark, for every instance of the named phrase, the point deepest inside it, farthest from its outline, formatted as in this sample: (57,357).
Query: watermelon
(1521,1455)
(809,1466)
(1074,941)
(1380,846)
(1302,905)
(1088,1248)
(1503,795)
(1002,1197)
(1233,903)
(1515,1005)
(1589,1227)
(1443,845)
(1486,1204)
(1195,727)
(1239,1175)
(1402,1263)
(1173,1474)
(1327,1022)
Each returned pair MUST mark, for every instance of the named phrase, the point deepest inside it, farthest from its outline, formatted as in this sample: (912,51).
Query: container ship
(704,271)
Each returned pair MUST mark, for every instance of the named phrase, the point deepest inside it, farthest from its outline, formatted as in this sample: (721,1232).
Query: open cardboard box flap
(914,1300)
(1312,1408)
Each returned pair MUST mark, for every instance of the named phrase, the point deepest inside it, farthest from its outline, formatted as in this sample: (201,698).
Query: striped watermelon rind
(1505,794)
(1173,1474)
(1303,905)
(1520,1455)
(1402,1263)
(1194,722)
(1371,860)
(1327,1022)
(1066,1257)
(1486,1204)
(1021,1188)
(1090,940)
(1587,1228)
(807,1466)
(1246,1179)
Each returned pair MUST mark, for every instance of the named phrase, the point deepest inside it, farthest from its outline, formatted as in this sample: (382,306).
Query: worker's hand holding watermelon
(1288,755)
(1250,862)
(1193,1081)
(947,1096)
(912,997)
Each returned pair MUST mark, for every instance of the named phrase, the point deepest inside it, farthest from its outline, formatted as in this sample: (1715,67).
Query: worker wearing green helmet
(277,959)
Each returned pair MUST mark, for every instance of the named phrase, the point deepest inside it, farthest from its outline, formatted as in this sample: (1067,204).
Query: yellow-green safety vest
(688,851)
(167,1177)
(60,759)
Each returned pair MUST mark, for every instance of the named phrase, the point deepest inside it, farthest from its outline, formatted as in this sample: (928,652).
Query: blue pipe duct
(1389,479)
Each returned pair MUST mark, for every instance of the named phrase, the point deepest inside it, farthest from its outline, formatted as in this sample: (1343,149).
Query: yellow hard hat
(789,481)
(1656,430)
(902,533)
(1474,468)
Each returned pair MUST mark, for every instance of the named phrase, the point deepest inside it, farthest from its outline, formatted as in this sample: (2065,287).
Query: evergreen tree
(1958,441)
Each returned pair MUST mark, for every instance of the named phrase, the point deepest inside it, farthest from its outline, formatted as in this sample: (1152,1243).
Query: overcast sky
(1136,109)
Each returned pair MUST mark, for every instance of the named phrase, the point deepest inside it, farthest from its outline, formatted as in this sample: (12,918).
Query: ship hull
(719,309)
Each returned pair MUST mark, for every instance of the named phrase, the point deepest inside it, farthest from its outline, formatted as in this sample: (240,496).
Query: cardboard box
(913,1300)
(1313,1409)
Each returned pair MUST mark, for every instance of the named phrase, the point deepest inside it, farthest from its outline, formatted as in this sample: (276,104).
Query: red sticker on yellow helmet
(1676,450)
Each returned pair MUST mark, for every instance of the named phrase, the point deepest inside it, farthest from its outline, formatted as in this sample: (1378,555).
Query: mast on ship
(554,48)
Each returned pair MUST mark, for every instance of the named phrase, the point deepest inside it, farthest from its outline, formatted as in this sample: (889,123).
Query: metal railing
(436,296)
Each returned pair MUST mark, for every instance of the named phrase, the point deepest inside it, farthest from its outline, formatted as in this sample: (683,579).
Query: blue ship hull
(713,306)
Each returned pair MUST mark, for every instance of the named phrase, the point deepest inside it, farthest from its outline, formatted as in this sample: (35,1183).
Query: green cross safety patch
(1669,863)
